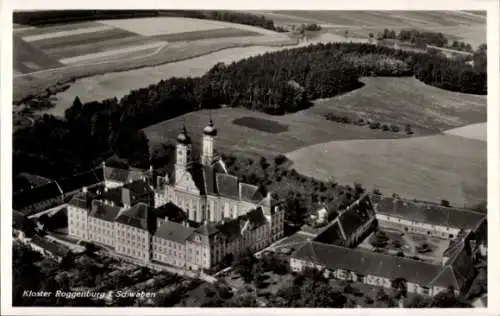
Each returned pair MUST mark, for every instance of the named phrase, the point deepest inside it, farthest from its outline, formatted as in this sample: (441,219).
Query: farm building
(381,270)
(429,219)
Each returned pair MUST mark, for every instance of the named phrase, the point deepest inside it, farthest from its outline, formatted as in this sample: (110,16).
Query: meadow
(406,101)
(473,131)
(429,168)
(467,26)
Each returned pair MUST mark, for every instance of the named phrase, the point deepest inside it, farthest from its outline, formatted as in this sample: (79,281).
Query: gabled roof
(140,216)
(366,262)
(174,231)
(251,193)
(230,229)
(104,212)
(197,174)
(36,195)
(227,185)
(139,187)
(82,200)
(255,217)
(207,229)
(431,214)
(355,216)
(122,175)
(170,211)
(80,180)
(331,235)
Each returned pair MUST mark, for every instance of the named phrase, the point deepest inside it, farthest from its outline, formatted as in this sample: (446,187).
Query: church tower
(209,134)
(182,154)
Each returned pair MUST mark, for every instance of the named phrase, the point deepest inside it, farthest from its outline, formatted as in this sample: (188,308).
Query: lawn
(428,168)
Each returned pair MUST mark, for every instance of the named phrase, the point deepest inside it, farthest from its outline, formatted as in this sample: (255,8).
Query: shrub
(375,125)
(445,203)
(385,128)
(395,128)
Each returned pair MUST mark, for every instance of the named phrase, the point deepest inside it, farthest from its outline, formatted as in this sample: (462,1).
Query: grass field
(407,101)
(457,24)
(261,124)
(414,102)
(204,34)
(428,168)
(172,25)
(473,131)
(28,58)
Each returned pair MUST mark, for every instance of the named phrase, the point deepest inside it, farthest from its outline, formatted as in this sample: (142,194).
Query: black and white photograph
(223,158)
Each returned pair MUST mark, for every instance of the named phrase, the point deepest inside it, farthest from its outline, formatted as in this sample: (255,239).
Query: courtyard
(395,241)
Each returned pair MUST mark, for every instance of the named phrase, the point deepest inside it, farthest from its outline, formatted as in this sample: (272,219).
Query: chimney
(103,164)
(105,189)
(151,168)
(84,189)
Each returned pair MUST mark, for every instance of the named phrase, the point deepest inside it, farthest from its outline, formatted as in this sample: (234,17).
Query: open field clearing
(31,30)
(41,37)
(291,132)
(102,46)
(406,101)
(204,34)
(427,168)
(474,131)
(28,58)
(87,38)
(115,53)
(172,25)
(467,26)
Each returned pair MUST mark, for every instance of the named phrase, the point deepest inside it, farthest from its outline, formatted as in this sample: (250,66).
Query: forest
(276,83)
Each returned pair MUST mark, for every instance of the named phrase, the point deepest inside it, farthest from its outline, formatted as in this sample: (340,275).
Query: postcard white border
(6,142)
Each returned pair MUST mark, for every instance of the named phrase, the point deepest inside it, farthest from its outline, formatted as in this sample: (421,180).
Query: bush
(445,203)
(375,125)
(280,159)
(395,128)
(385,128)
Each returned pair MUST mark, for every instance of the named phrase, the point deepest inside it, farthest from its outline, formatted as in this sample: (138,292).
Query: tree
(400,287)
(408,129)
(445,203)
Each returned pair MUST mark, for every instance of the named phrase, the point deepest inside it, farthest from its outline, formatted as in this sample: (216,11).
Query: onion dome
(210,130)
(183,137)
